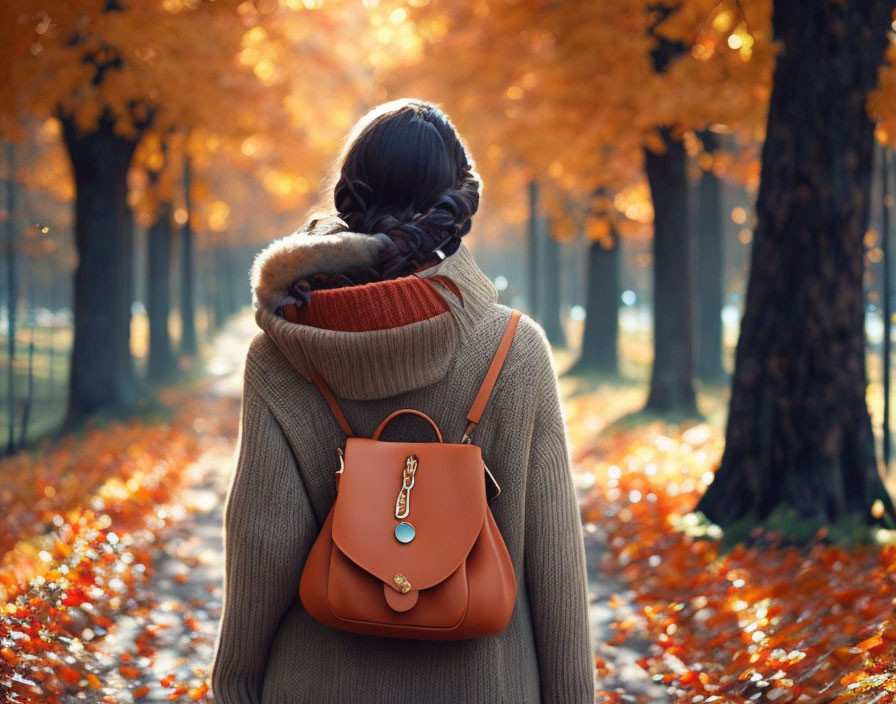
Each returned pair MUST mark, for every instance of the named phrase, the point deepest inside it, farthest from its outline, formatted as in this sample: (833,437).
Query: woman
(387,304)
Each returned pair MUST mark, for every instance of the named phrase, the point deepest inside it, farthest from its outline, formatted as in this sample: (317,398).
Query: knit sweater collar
(370,363)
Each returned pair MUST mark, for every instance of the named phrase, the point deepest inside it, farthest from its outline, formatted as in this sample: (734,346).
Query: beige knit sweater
(268,649)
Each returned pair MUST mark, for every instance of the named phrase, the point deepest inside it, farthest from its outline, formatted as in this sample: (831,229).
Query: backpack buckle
(337,475)
(496,488)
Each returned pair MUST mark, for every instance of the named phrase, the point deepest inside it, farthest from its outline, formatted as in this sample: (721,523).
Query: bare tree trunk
(672,375)
(12,291)
(189,344)
(671,380)
(601,337)
(162,363)
(51,335)
(223,286)
(102,375)
(232,291)
(29,393)
(710,272)
(886,304)
(553,326)
(534,254)
(799,433)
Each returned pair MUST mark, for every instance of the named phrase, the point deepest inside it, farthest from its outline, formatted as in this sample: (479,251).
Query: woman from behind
(378,295)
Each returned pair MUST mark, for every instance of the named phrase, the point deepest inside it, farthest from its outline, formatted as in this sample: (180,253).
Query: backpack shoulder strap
(491,376)
(331,400)
(291,313)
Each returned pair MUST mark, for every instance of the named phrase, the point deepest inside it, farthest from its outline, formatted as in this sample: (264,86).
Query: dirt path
(181,604)
(628,677)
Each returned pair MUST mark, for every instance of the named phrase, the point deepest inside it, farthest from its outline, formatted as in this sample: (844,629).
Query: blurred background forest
(211,125)
(692,197)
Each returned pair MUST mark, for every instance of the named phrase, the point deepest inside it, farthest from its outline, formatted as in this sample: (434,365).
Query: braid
(412,240)
(441,227)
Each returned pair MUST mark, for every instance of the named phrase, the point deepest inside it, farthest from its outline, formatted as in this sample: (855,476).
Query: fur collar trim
(321,245)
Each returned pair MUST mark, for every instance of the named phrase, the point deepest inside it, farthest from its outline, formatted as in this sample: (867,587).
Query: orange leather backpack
(410,548)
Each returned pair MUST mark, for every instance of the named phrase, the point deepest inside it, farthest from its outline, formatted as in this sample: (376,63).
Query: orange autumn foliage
(75,560)
(568,93)
(263,89)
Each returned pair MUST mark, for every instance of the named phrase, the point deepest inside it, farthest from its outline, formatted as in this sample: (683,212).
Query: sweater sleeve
(268,530)
(555,571)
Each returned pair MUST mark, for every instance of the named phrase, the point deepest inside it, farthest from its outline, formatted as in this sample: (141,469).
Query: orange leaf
(69,674)
(871,643)
(198,692)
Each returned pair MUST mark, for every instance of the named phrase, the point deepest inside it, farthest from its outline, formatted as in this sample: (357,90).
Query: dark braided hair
(405,177)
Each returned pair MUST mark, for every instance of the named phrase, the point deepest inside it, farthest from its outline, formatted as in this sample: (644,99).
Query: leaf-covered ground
(759,624)
(110,580)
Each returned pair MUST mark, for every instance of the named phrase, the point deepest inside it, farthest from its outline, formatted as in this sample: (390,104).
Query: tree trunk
(798,432)
(12,297)
(710,272)
(671,380)
(29,389)
(233,282)
(886,303)
(220,285)
(208,278)
(601,336)
(161,358)
(533,253)
(102,375)
(223,286)
(189,344)
(553,289)
(51,334)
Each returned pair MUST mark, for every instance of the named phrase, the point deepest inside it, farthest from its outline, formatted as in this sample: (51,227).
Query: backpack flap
(442,515)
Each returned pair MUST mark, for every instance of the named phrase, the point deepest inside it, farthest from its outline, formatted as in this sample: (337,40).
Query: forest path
(181,602)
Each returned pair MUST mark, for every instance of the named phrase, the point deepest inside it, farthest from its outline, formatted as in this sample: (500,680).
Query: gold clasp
(402,583)
(403,502)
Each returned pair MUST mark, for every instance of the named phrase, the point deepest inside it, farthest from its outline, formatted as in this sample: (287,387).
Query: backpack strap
(491,376)
(331,400)
(290,312)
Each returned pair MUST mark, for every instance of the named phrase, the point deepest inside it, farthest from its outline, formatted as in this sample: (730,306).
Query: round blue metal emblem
(404,532)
